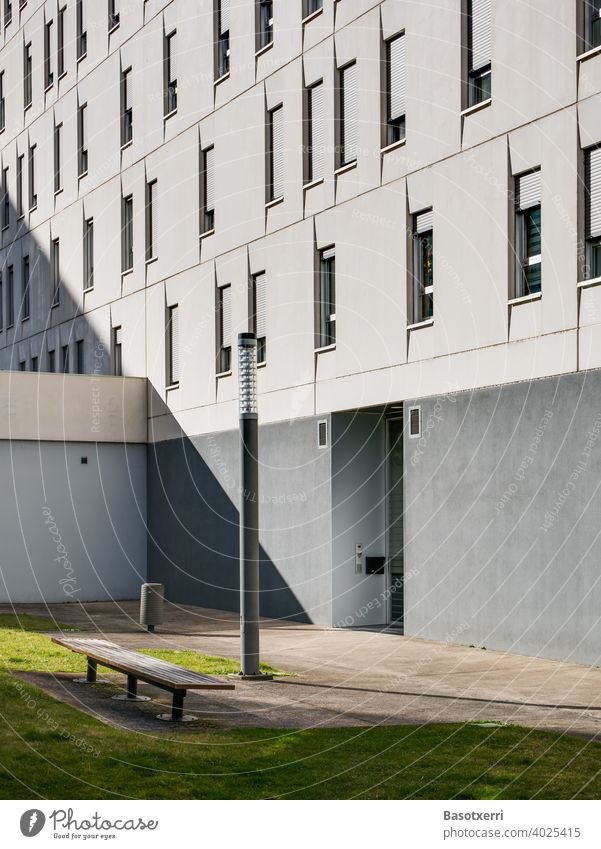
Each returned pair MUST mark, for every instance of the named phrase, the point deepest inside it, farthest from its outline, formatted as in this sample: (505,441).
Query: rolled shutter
(174,343)
(209,164)
(328,253)
(127,92)
(529,190)
(277,152)
(398,78)
(349,112)
(173,70)
(318,131)
(481,33)
(593,185)
(224,17)
(226,317)
(424,221)
(261,305)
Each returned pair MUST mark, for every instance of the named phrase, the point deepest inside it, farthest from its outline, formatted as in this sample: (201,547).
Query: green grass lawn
(51,750)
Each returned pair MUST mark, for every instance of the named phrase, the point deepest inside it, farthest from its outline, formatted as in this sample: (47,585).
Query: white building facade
(403,200)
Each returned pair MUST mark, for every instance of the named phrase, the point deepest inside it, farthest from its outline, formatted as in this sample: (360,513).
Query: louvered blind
(224,16)
(481,32)
(398,79)
(277,153)
(328,253)
(174,344)
(424,221)
(173,58)
(318,131)
(127,89)
(593,185)
(226,317)
(209,165)
(349,113)
(154,218)
(529,190)
(261,305)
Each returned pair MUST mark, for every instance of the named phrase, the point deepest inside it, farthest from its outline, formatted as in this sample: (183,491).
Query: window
(55,272)
(311,6)
(48,75)
(33,198)
(259,314)
(327,298)
(51,361)
(322,434)
(170,71)
(5,200)
(27,70)
(1,304)
(34,364)
(82,36)
(528,234)
(415,422)
(396,89)
(172,346)
(79,357)
(2,103)
(348,128)
(127,234)
(593,213)
(65,359)
(60,41)
(8,12)
(25,305)
(23,365)
(152,221)
(592,23)
(223,38)
(20,210)
(225,329)
(58,130)
(88,254)
(10,297)
(117,353)
(82,140)
(316,132)
(265,31)
(423,265)
(114,16)
(479,50)
(126,108)
(276,154)
(208,190)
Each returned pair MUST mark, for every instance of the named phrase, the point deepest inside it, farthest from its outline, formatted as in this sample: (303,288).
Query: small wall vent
(415,422)
(322,434)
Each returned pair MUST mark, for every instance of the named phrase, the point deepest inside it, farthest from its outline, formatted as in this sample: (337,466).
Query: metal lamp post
(249,508)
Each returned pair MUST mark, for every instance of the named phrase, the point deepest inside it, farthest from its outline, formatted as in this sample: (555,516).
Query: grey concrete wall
(502,519)
(72,532)
(193,492)
(358,516)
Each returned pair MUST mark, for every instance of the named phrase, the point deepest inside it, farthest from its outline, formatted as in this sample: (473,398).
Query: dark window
(127,234)
(51,361)
(20,210)
(225,329)
(48,75)
(82,139)
(529,234)
(58,131)
(117,353)
(5,200)
(10,297)
(127,126)
(593,213)
(8,12)
(82,36)
(25,289)
(170,70)
(114,16)
(327,298)
(60,42)
(33,198)
(415,421)
(79,356)
(310,6)
(2,103)
(223,38)
(65,359)
(423,265)
(88,253)
(265,23)
(34,364)
(55,274)
(152,221)
(1,303)
(592,23)
(27,71)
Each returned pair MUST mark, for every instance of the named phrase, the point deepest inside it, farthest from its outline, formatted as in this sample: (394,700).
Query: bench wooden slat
(145,667)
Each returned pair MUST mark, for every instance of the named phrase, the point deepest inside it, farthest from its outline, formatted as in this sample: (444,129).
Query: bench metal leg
(177,709)
(91,674)
(131,694)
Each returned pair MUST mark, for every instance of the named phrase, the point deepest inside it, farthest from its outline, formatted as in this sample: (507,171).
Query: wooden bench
(168,676)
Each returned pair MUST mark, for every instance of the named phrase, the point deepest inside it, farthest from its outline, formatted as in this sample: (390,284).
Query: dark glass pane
(595,259)
(532,231)
(426,259)
(532,275)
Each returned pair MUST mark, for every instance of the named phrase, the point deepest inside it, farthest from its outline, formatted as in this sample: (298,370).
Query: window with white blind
(480,50)
(348,127)
(396,70)
(170,73)
(127,234)
(316,136)
(88,253)
(276,153)
(82,139)
(58,138)
(528,234)
(259,307)
(327,298)
(224,352)
(207,191)
(173,346)
(593,213)
(127,124)
(592,23)
(152,220)
(222,42)
(423,266)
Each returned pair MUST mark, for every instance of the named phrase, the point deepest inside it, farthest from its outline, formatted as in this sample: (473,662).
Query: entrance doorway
(395,541)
